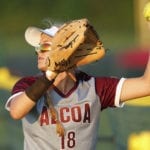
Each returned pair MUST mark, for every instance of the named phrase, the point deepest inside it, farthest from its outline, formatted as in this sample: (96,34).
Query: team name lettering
(67,114)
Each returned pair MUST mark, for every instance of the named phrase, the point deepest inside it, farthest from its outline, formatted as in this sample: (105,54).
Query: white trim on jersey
(118,92)
(10,99)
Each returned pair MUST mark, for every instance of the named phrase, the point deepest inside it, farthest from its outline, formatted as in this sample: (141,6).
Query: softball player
(59,112)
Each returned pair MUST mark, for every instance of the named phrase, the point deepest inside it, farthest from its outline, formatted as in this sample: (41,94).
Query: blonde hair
(54,114)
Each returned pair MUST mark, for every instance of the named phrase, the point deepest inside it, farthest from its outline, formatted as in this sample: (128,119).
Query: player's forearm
(35,91)
(24,102)
(20,105)
(134,88)
(137,87)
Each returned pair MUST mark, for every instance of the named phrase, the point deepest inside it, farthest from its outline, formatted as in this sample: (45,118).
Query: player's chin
(42,67)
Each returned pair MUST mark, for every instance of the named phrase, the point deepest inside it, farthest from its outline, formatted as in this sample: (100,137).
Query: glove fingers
(91,50)
(76,43)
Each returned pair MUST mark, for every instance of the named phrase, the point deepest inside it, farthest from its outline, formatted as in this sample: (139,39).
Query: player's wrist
(38,88)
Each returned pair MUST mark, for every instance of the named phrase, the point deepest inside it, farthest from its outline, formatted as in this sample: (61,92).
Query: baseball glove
(76,43)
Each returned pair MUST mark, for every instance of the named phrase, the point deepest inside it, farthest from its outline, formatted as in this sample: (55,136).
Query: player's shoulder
(106,80)
(24,83)
(27,80)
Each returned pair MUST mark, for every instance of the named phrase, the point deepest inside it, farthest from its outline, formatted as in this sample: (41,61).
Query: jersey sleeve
(106,89)
(19,87)
(22,84)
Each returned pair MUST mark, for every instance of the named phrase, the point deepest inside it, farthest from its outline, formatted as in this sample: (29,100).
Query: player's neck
(64,83)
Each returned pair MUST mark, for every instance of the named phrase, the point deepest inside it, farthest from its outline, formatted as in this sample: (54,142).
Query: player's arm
(137,87)
(21,104)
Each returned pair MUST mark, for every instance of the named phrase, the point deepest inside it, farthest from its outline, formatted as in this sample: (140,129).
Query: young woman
(68,103)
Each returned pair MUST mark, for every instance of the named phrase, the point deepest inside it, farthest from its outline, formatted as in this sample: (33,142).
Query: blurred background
(123,30)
